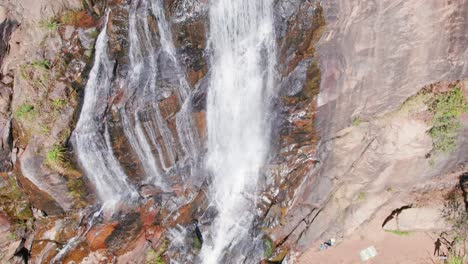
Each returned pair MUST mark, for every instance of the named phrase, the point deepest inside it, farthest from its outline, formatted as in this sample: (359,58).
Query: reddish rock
(96,237)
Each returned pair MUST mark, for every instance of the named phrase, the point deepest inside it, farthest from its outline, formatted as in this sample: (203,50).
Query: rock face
(374,55)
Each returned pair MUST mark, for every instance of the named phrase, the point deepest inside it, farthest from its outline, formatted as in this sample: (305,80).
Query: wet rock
(149,190)
(97,236)
(129,227)
(87,37)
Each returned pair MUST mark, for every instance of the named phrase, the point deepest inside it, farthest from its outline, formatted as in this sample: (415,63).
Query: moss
(42,64)
(197,244)
(26,112)
(447,109)
(313,81)
(268,245)
(76,188)
(398,232)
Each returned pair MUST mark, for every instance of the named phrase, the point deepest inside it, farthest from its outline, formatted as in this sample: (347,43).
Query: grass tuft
(59,104)
(56,155)
(357,121)
(49,25)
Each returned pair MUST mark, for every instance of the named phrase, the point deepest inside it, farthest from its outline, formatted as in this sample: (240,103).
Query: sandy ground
(416,248)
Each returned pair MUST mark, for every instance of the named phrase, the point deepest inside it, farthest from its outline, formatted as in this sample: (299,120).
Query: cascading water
(241,89)
(92,142)
(153,75)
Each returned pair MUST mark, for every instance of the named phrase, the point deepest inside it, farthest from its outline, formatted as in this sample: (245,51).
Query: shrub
(77,18)
(447,109)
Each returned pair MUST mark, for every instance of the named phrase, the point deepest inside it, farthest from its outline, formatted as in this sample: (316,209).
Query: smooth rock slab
(418,219)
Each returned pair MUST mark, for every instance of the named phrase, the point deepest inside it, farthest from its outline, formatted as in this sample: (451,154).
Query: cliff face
(373,56)
(349,118)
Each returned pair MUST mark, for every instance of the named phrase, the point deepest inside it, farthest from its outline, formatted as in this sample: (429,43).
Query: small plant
(398,232)
(42,64)
(357,121)
(447,109)
(56,155)
(26,112)
(49,25)
(58,104)
(362,196)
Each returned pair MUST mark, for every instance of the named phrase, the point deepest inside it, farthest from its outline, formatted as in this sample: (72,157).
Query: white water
(242,84)
(92,142)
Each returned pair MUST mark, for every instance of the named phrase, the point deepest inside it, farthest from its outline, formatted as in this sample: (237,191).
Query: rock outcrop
(373,56)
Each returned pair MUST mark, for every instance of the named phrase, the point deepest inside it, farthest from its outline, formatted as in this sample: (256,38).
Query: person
(437,247)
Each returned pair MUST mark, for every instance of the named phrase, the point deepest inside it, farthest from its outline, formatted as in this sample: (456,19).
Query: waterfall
(91,135)
(153,74)
(241,88)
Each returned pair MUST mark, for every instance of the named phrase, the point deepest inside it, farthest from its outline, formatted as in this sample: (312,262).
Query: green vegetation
(42,64)
(12,236)
(268,247)
(37,73)
(14,203)
(357,121)
(56,155)
(154,257)
(362,196)
(197,244)
(447,109)
(58,104)
(49,25)
(455,260)
(76,187)
(456,215)
(26,112)
(398,232)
